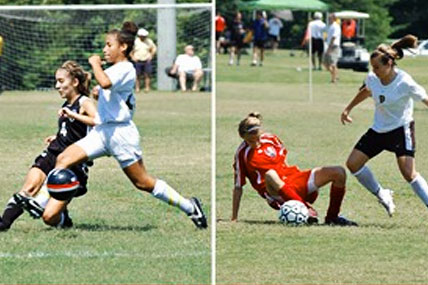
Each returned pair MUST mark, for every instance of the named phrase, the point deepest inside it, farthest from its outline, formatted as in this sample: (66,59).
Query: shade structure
(295,5)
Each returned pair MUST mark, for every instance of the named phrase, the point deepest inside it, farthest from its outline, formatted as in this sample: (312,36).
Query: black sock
(11,213)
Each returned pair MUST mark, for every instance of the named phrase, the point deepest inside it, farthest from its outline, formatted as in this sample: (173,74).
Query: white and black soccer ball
(294,213)
(62,184)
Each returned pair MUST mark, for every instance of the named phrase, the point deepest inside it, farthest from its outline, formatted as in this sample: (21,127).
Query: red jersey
(254,163)
(220,24)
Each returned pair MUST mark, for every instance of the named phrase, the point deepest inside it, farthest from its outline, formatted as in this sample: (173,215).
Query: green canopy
(300,5)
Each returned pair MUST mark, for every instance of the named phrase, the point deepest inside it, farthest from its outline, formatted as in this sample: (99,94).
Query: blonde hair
(395,51)
(76,71)
(252,122)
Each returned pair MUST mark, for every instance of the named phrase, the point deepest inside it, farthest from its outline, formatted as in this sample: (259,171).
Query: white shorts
(311,182)
(120,140)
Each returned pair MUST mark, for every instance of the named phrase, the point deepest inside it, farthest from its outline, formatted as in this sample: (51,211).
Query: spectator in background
(333,50)
(220,26)
(317,28)
(142,55)
(236,39)
(349,27)
(260,26)
(275,26)
(187,66)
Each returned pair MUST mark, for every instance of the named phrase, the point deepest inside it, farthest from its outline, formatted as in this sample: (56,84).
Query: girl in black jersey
(76,114)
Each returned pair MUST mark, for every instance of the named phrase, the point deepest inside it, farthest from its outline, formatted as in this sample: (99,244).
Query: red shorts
(296,186)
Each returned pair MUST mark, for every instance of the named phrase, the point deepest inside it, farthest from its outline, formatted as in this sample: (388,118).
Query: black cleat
(3,226)
(340,221)
(68,222)
(29,204)
(198,216)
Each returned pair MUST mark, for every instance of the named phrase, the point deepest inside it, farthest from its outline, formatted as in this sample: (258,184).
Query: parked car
(422,49)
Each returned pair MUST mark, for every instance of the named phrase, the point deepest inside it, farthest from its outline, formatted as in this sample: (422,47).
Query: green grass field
(120,235)
(257,249)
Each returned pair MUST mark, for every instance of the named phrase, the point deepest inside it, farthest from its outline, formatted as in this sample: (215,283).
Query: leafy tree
(409,18)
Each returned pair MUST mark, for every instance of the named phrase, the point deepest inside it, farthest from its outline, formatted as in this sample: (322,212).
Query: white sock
(420,187)
(42,197)
(166,193)
(367,179)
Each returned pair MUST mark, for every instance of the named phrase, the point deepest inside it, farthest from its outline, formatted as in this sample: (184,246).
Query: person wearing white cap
(142,55)
(317,28)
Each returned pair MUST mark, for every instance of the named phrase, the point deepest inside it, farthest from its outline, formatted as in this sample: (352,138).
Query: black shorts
(260,43)
(317,46)
(46,162)
(400,141)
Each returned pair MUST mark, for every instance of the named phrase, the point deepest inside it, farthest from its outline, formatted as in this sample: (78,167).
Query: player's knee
(409,174)
(62,160)
(340,174)
(145,183)
(352,166)
(50,218)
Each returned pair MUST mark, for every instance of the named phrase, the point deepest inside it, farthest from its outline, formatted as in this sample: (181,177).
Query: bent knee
(50,218)
(409,176)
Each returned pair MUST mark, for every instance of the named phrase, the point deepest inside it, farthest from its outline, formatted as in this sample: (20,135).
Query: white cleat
(385,199)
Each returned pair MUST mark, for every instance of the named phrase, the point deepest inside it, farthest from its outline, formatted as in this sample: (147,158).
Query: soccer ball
(62,184)
(294,213)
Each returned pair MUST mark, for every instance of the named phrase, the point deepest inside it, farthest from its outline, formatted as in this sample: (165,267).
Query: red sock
(336,198)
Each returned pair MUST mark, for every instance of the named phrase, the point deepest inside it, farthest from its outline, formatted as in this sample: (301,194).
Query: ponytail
(395,51)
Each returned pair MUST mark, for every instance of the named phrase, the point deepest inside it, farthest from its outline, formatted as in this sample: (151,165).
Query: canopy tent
(295,5)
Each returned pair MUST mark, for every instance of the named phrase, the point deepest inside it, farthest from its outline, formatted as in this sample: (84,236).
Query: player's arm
(100,75)
(362,95)
(86,115)
(236,201)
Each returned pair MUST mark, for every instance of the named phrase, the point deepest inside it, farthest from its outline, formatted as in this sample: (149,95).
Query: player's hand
(345,118)
(49,139)
(95,60)
(66,112)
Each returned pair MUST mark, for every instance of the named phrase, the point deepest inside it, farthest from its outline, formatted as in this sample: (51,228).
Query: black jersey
(69,130)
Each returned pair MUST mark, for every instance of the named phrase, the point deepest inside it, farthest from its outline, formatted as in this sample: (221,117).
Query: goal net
(38,39)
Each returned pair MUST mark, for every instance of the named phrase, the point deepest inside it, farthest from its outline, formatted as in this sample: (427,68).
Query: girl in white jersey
(393,91)
(116,134)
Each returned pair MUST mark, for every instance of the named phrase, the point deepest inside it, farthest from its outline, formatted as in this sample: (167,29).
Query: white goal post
(37,39)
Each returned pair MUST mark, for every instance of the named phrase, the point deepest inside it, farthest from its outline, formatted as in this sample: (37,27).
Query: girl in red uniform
(261,158)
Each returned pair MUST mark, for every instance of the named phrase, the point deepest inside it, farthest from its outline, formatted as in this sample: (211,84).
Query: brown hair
(394,51)
(125,36)
(131,27)
(251,123)
(76,71)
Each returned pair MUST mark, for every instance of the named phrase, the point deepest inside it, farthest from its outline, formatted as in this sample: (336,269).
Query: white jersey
(117,104)
(317,28)
(394,102)
(334,31)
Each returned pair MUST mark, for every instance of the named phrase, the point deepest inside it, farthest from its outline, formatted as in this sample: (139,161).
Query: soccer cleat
(198,216)
(3,226)
(68,222)
(340,221)
(29,204)
(385,199)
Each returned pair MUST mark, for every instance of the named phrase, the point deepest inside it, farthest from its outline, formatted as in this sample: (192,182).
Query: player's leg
(33,183)
(72,155)
(56,214)
(182,79)
(232,54)
(146,82)
(138,175)
(366,148)
(255,54)
(415,179)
